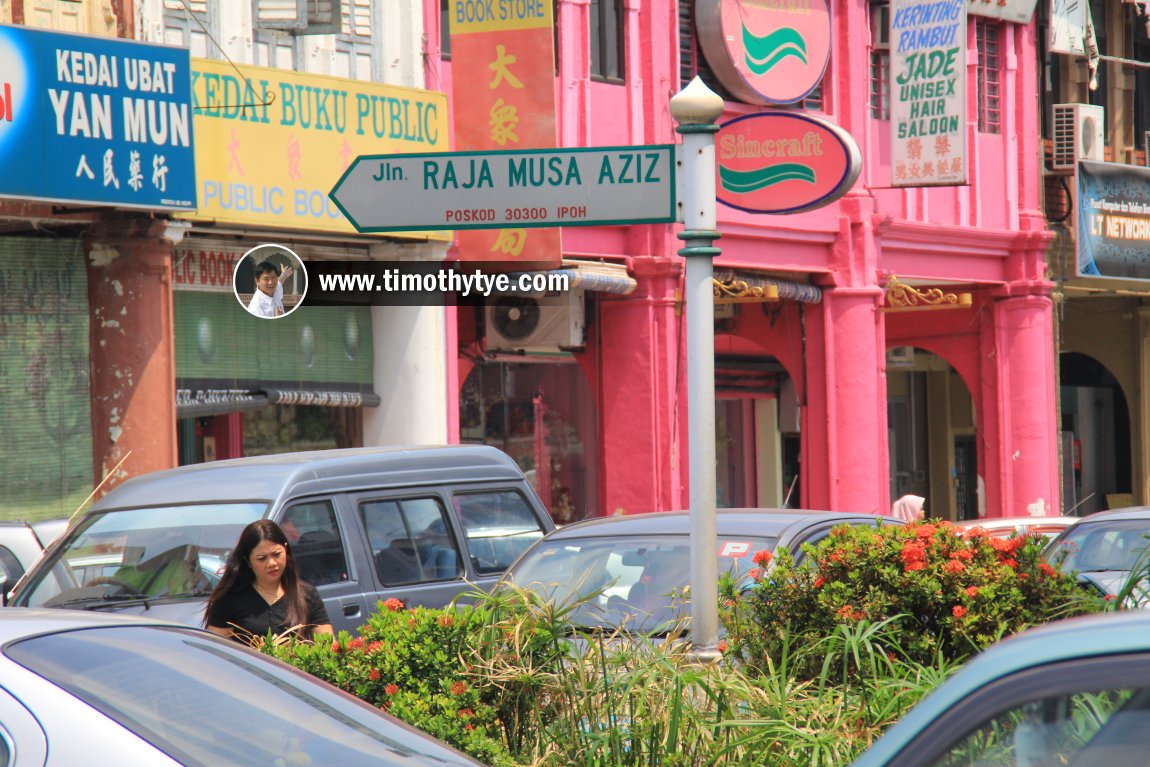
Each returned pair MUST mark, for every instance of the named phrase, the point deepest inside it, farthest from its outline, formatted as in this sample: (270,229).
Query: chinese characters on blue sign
(95,120)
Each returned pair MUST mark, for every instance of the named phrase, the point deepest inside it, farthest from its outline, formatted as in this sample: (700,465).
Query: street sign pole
(696,108)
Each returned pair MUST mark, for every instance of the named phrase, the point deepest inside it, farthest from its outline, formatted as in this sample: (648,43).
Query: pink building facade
(831,397)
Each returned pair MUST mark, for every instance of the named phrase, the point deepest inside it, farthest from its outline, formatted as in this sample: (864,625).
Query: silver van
(418,523)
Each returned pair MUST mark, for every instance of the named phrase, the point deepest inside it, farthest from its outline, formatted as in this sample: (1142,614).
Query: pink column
(642,395)
(844,433)
(1019,436)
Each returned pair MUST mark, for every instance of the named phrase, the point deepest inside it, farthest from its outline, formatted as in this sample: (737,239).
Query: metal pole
(696,108)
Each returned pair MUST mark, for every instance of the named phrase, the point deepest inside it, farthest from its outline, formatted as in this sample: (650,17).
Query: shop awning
(322,398)
(788,290)
(593,275)
(202,403)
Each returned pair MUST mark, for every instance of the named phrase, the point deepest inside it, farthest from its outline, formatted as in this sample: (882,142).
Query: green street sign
(509,189)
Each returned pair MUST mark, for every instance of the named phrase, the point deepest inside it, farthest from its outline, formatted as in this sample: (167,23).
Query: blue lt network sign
(509,189)
(95,120)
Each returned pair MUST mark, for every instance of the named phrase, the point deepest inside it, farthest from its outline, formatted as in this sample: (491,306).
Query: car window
(1096,547)
(204,702)
(10,568)
(640,580)
(153,552)
(499,526)
(411,541)
(317,546)
(1085,729)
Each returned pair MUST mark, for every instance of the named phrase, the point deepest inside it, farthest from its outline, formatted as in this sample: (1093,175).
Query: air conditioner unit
(1079,134)
(900,356)
(526,324)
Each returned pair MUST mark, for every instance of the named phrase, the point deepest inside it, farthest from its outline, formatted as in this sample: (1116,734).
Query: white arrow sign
(496,190)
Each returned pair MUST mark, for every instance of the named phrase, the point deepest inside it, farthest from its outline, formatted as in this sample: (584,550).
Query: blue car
(1074,692)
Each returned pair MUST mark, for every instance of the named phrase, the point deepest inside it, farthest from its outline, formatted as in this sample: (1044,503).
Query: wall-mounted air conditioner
(900,356)
(525,324)
(1079,134)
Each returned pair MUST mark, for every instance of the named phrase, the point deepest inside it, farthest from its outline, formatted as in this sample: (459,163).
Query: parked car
(1073,692)
(1004,527)
(96,689)
(421,524)
(22,543)
(634,569)
(1104,547)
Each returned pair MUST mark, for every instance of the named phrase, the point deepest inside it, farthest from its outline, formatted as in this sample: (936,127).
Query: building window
(607,39)
(880,61)
(988,40)
(445,29)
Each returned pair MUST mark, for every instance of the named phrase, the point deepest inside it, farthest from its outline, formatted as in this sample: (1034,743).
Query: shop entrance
(1096,465)
(542,414)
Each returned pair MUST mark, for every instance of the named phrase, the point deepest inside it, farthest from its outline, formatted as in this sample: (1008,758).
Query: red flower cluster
(374,675)
(849,613)
(392,604)
(913,556)
(954,566)
(762,558)
(391,689)
(446,621)
(959,611)
(458,688)
(972,591)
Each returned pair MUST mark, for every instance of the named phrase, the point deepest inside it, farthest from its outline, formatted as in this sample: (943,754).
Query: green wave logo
(747,181)
(767,51)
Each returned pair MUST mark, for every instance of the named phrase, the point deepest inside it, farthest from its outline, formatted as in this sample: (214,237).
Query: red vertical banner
(503,97)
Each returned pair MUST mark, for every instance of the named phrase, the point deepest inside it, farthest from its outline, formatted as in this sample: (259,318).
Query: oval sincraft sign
(766,51)
(783,162)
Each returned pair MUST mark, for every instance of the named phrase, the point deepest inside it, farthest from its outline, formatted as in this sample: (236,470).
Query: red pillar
(1021,440)
(133,360)
(844,442)
(642,395)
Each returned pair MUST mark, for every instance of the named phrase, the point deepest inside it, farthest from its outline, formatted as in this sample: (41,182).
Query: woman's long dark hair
(238,573)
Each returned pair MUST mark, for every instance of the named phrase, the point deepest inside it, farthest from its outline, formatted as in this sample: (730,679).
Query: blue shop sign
(1113,220)
(95,120)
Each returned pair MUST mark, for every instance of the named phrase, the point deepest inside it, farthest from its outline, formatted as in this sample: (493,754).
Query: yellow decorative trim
(736,291)
(904,298)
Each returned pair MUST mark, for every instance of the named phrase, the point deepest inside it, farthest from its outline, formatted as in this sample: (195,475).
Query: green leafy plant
(945,593)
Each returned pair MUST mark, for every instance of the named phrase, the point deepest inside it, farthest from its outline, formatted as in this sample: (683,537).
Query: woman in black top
(260,590)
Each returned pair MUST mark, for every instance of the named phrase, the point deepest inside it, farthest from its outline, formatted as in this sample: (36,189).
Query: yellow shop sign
(269,149)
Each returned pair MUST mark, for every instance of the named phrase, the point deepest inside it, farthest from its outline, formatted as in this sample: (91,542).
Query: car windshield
(636,582)
(204,702)
(128,554)
(1097,547)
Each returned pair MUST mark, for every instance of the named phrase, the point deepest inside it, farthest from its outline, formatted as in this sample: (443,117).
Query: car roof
(275,477)
(996,522)
(1127,631)
(21,622)
(768,522)
(1130,512)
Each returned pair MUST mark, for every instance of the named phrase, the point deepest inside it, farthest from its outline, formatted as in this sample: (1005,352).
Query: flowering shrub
(411,663)
(950,593)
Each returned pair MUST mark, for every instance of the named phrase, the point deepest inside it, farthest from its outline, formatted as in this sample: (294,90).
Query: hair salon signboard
(766,51)
(783,162)
(928,92)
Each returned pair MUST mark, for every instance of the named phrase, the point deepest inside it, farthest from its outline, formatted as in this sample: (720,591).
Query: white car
(96,689)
